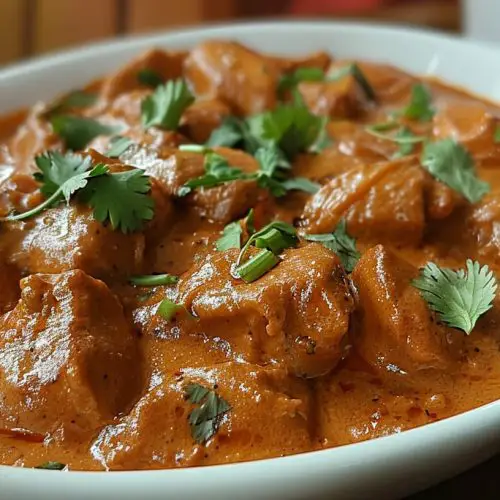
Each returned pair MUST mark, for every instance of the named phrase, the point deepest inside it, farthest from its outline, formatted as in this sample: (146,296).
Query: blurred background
(29,27)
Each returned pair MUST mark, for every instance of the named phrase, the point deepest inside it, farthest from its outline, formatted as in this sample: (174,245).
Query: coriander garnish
(288,235)
(291,80)
(206,419)
(168,309)
(354,70)
(121,197)
(217,172)
(164,107)
(118,145)
(292,128)
(341,243)
(420,106)
(77,131)
(257,265)
(74,100)
(450,163)
(61,177)
(323,140)
(496,137)
(154,280)
(149,77)
(273,173)
(459,297)
(51,466)
(231,234)
(231,237)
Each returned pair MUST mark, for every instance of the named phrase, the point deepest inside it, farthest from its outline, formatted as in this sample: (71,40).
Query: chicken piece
(168,65)
(296,314)
(390,84)
(202,118)
(32,138)
(18,192)
(483,222)
(339,98)
(68,359)
(468,122)
(392,210)
(395,331)
(69,237)
(325,165)
(223,203)
(324,210)
(266,406)
(388,202)
(229,71)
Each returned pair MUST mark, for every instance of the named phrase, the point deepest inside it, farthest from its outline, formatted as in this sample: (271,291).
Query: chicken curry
(219,255)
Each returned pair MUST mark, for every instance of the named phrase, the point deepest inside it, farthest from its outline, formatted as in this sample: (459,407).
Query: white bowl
(388,467)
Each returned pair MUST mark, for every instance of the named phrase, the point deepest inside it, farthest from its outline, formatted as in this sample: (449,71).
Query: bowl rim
(438,432)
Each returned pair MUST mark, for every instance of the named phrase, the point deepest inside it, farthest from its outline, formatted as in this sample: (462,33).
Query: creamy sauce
(306,356)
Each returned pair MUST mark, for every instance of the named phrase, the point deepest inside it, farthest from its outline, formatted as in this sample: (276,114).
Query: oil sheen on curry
(219,255)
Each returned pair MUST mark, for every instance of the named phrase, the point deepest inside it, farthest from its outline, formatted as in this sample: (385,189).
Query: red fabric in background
(316,6)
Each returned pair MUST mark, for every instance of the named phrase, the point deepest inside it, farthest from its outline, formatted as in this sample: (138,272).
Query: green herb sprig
(206,419)
(340,243)
(449,162)
(459,297)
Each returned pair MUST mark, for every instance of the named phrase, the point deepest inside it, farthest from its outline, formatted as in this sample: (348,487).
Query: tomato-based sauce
(324,346)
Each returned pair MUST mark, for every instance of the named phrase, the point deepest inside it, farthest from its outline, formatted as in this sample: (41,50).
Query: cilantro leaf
(74,100)
(149,77)
(291,127)
(341,243)
(420,106)
(118,145)
(323,140)
(231,234)
(228,134)
(291,80)
(122,198)
(234,133)
(217,172)
(164,107)
(231,237)
(205,420)
(450,163)
(459,297)
(60,181)
(51,466)
(77,131)
(56,168)
(301,184)
(404,138)
(496,137)
(354,70)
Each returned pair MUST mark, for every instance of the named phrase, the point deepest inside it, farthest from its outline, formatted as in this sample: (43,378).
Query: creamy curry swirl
(219,255)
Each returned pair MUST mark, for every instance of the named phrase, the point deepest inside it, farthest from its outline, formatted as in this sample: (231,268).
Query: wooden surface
(11,29)
(29,27)
(71,22)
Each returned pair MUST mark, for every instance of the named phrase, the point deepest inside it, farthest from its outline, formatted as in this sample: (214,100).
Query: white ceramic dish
(388,467)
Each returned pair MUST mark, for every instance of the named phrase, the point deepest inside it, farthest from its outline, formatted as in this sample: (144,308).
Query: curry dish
(219,255)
